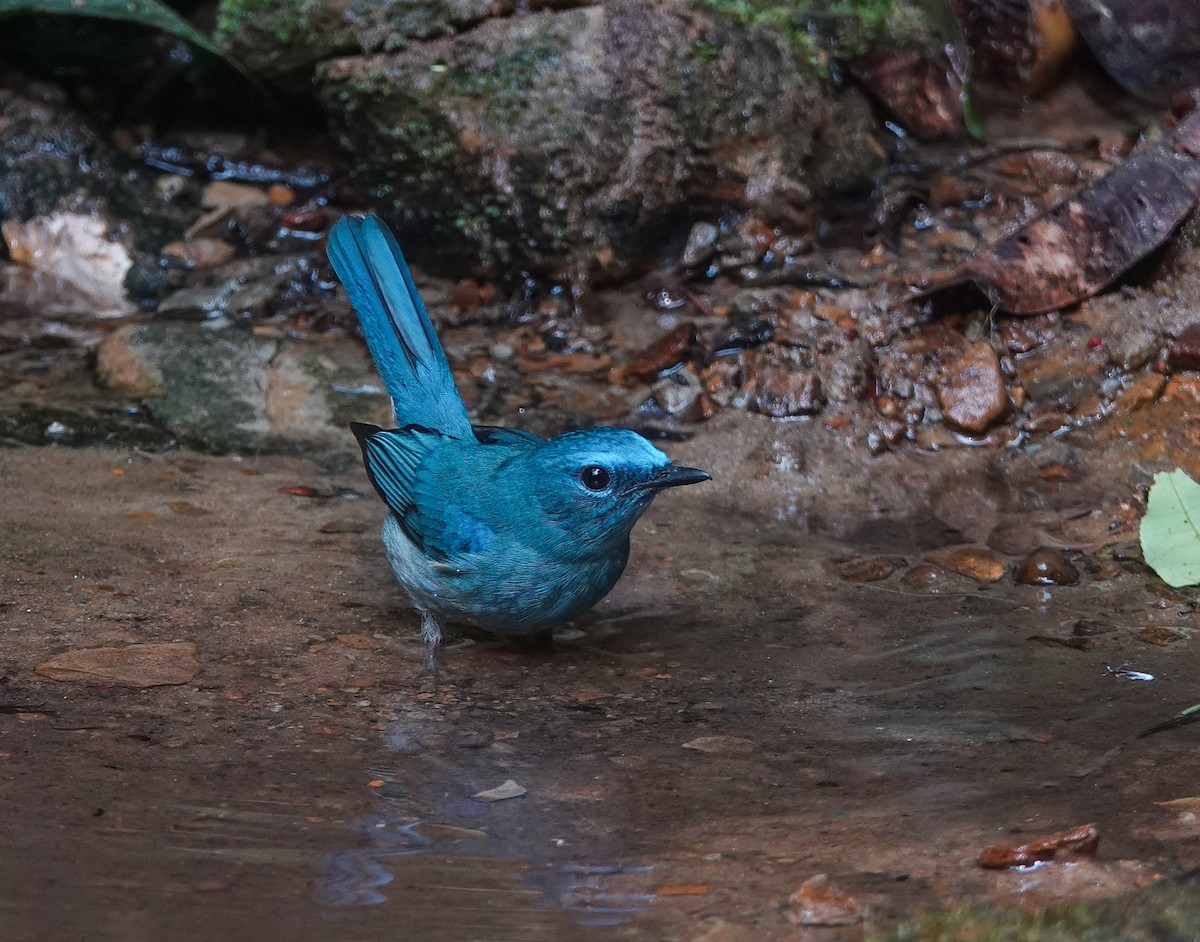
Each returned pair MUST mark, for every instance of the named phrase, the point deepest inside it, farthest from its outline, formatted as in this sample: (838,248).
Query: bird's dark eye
(595,478)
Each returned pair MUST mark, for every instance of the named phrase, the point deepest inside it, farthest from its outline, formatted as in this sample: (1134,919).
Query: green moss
(276,37)
(289,20)
(1165,911)
(504,86)
(841,28)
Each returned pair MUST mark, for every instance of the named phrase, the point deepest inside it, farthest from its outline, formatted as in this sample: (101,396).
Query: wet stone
(871,570)
(229,389)
(978,564)
(925,578)
(972,391)
(1132,349)
(783,392)
(1184,350)
(1046,566)
(701,244)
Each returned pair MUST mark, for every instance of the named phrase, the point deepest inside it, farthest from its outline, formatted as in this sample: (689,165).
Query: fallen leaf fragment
(221,193)
(683,890)
(721,745)
(76,249)
(1191,803)
(299,490)
(819,903)
(186,508)
(135,665)
(1082,840)
(508,789)
(1086,242)
(1161,635)
(1170,530)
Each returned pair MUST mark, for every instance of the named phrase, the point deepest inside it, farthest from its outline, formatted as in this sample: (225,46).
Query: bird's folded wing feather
(426,507)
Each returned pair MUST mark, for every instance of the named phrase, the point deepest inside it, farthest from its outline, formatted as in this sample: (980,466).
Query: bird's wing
(403,342)
(426,506)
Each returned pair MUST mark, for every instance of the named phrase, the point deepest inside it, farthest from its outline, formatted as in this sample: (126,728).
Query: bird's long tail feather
(399,333)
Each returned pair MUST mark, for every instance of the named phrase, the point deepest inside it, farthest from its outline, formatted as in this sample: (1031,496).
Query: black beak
(674,475)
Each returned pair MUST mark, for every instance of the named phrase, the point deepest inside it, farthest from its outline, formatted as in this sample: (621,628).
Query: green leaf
(1171,529)
(149,13)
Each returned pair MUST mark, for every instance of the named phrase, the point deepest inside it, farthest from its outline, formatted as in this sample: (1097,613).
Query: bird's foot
(431,634)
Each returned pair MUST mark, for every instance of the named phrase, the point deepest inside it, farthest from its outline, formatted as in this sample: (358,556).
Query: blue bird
(491,527)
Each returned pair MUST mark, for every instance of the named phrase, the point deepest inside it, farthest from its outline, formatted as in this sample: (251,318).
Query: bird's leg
(431,634)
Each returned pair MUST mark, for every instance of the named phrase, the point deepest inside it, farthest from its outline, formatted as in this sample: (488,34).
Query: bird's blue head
(598,482)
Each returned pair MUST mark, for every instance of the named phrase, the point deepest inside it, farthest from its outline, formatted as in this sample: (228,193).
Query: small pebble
(972,391)
(980,565)
(870,570)
(1046,566)
(925,577)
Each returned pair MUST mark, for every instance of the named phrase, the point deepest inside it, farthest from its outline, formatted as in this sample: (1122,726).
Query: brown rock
(819,903)
(978,564)
(1184,350)
(1082,841)
(135,665)
(971,390)
(1046,566)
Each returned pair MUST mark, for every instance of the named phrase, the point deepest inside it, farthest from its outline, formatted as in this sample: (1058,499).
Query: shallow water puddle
(738,718)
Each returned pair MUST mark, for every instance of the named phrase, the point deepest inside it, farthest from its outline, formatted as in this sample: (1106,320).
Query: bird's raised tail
(399,333)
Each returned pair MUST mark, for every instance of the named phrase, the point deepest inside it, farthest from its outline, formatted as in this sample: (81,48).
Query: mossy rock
(278,38)
(582,138)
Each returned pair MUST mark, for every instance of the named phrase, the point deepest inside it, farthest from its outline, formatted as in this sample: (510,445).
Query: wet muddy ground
(785,684)
(823,662)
